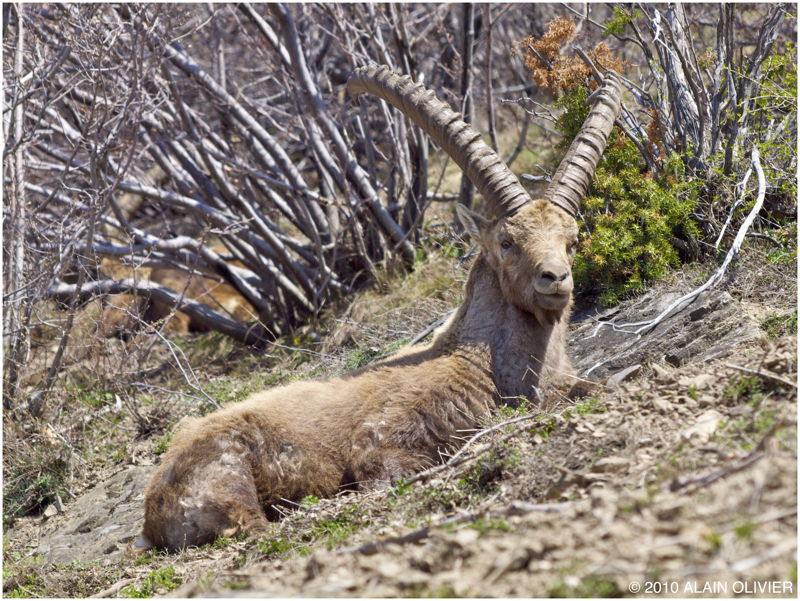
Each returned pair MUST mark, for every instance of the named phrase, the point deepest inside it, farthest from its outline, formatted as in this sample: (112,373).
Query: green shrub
(482,477)
(359,357)
(336,530)
(631,218)
(622,17)
(274,547)
(486,525)
(161,445)
(777,101)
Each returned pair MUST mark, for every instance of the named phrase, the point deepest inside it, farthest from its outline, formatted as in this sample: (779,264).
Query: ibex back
(225,472)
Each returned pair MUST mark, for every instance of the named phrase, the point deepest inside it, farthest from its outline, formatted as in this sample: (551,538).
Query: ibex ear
(475,224)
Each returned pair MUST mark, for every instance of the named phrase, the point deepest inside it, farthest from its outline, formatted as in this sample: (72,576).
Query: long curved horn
(571,181)
(500,188)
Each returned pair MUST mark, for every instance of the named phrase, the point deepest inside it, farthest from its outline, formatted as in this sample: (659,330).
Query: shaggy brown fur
(224,472)
(125,312)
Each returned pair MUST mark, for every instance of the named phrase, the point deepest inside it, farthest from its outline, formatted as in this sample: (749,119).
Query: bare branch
(203,314)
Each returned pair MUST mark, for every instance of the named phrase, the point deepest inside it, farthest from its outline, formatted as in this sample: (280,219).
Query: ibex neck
(513,343)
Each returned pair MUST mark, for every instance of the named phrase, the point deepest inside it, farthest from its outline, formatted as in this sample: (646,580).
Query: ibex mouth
(552,302)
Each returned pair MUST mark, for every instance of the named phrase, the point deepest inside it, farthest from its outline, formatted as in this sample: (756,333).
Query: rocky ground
(678,478)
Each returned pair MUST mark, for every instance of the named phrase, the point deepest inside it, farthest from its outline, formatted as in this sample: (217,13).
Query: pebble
(618,378)
(698,382)
(660,373)
(662,406)
(466,537)
(611,464)
(703,428)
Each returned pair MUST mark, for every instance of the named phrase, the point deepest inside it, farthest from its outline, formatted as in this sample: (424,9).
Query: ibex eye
(506,244)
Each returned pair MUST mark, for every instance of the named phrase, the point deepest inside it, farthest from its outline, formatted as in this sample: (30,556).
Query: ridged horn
(500,188)
(571,181)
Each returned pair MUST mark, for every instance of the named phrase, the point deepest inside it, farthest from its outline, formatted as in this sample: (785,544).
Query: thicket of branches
(708,81)
(153,134)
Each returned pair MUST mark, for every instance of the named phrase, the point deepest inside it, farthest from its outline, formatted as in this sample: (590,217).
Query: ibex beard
(225,473)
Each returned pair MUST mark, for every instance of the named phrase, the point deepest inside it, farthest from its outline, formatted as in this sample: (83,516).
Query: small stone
(602,496)
(50,511)
(466,537)
(667,552)
(390,569)
(706,400)
(698,382)
(660,373)
(618,378)
(670,511)
(662,406)
(611,464)
(541,566)
(703,428)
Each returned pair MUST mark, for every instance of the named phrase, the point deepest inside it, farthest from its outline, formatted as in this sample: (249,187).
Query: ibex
(219,296)
(225,472)
(125,312)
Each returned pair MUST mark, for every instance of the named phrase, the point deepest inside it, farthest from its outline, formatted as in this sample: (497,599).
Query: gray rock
(103,521)
(706,328)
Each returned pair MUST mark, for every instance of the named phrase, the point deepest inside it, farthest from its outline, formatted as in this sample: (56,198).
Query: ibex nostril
(549,275)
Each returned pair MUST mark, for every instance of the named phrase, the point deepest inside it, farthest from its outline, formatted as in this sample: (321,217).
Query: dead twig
(198,311)
(763,373)
(113,590)
(482,433)
(761,236)
(700,482)
(693,484)
(466,454)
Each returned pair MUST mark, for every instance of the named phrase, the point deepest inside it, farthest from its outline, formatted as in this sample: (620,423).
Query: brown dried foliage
(558,73)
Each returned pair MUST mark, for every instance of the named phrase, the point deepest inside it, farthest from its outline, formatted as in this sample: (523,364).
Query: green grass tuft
(157,582)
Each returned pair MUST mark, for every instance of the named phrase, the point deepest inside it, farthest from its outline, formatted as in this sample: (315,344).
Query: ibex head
(531,252)
(529,243)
